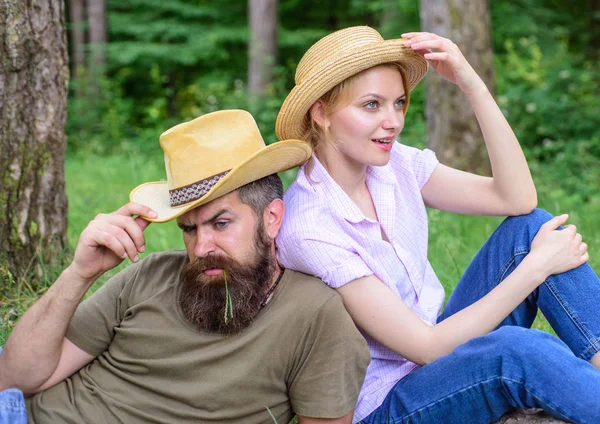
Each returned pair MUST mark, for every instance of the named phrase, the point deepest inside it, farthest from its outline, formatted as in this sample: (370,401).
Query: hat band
(194,191)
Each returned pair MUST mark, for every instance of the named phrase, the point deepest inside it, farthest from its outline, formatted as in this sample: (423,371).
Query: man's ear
(273,217)
(317,113)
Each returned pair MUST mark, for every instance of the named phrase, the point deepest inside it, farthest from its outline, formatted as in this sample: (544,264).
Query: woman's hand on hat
(446,58)
(109,239)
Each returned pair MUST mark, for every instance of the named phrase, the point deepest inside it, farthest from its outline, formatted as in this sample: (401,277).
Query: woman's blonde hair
(338,97)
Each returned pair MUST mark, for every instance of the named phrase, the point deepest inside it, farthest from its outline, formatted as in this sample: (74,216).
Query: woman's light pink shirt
(325,234)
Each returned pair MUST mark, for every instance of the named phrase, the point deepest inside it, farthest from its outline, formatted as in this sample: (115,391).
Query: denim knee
(529,347)
(534,219)
(528,224)
(518,339)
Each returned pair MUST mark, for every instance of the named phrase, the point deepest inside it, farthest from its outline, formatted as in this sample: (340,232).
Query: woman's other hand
(554,251)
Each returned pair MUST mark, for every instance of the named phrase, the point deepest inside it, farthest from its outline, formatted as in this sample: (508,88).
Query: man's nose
(204,244)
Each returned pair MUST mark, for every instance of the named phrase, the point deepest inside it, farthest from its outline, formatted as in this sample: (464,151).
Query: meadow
(99,183)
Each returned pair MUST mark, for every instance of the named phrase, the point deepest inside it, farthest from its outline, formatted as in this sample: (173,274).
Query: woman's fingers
(555,222)
(585,257)
(435,44)
(439,56)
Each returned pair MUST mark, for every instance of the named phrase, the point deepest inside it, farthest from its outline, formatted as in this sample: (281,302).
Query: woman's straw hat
(211,156)
(335,58)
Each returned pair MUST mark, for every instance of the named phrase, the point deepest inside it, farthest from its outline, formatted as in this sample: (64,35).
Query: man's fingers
(125,240)
(110,242)
(132,209)
(142,223)
(129,225)
(583,247)
(115,226)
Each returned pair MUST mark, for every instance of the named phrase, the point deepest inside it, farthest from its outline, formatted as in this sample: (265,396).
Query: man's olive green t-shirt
(302,354)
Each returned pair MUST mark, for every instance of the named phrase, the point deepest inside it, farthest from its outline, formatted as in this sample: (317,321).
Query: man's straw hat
(211,156)
(335,58)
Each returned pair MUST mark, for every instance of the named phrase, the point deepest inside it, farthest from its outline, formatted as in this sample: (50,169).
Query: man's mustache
(201,264)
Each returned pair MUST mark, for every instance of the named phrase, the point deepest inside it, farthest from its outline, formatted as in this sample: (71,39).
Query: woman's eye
(401,103)
(371,105)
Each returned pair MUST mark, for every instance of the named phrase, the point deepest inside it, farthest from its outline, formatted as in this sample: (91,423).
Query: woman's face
(367,126)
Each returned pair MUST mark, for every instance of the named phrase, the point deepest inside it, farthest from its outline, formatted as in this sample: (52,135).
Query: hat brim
(291,120)
(276,157)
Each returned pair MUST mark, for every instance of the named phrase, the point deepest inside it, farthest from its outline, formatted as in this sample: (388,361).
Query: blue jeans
(12,406)
(513,366)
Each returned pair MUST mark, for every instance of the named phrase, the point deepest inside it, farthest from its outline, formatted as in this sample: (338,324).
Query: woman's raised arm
(511,190)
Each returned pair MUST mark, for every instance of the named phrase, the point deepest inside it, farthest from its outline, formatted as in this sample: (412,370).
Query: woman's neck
(349,174)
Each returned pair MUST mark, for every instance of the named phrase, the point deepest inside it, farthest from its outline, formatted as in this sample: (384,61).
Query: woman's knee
(529,223)
(537,217)
(527,345)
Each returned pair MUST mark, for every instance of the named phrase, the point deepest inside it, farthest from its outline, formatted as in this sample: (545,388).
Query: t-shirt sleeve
(92,327)
(421,162)
(330,365)
(322,257)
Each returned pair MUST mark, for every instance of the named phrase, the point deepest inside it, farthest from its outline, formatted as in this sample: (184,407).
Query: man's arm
(346,419)
(72,359)
(36,354)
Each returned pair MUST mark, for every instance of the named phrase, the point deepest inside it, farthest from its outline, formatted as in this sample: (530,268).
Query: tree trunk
(97,39)
(34,75)
(452,128)
(262,19)
(77,32)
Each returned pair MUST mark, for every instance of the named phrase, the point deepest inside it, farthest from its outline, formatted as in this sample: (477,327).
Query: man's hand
(109,239)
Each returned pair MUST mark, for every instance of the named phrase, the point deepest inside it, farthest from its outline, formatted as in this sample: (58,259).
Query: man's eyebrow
(183,225)
(216,215)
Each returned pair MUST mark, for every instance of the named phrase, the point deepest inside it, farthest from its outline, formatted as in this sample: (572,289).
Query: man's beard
(203,298)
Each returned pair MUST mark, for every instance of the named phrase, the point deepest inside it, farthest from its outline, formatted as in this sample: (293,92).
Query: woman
(356,218)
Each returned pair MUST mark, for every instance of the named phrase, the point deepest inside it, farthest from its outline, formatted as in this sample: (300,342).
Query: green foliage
(547,87)
(173,61)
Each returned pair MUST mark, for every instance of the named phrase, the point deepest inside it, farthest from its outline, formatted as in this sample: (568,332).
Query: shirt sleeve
(327,260)
(421,162)
(92,327)
(331,364)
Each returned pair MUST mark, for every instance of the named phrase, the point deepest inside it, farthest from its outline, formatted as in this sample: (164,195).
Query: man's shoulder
(308,292)
(165,259)
(156,269)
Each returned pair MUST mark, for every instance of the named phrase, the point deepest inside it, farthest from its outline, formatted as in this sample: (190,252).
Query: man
(217,333)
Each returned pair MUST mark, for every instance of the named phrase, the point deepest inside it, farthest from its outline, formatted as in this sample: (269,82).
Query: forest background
(165,62)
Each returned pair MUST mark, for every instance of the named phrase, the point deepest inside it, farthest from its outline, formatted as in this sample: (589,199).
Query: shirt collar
(337,197)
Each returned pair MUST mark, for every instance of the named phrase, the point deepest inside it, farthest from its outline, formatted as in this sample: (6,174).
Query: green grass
(102,184)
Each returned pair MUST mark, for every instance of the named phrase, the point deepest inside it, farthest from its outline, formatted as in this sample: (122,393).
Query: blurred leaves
(171,61)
